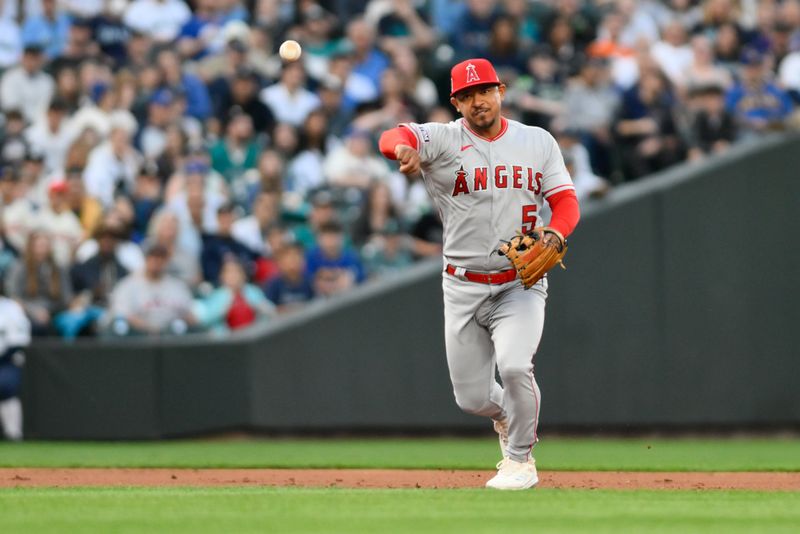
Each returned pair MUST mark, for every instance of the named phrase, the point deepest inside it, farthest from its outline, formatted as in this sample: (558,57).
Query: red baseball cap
(470,73)
(58,186)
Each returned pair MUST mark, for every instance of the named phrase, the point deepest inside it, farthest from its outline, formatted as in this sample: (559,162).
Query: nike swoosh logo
(463,148)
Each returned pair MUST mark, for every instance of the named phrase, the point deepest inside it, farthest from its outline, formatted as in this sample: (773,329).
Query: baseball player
(15,335)
(489,178)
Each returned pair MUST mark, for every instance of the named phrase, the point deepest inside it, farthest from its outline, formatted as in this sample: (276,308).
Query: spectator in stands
(198,101)
(428,235)
(355,163)
(712,127)
(590,103)
(182,264)
(368,60)
(18,212)
(334,267)
(288,100)
(27,87)
(323,211)
(244,92)
(39,284)
(110,33)
(86,208)
(252,230)
(50,28)
(92,282)
(128,253)
(217,246)
(757,104)
(704,71)
(646,128)
(235,304)
(293,286)
(151,302)
(404,27)
(576,158)
(160,115)
(112,166)
(50,135)
(238,150)
(789,72)
(539,91)
(376,213)
(472,32)
(161,20)
(145,199)
(13,143)
(59,222)
(10,43)
(388,251)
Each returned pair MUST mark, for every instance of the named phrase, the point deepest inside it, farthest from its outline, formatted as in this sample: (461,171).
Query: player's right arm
(417,145)
(401,144)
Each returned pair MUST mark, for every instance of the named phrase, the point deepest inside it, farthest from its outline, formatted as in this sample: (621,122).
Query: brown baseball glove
(534,253)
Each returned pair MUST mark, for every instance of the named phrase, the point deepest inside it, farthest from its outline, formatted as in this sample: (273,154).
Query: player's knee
(512,373)
(472,401)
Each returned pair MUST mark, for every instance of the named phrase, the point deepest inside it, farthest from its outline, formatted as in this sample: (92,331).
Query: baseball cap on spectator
(33,47)
(472,73)
(98,91)
(57,186)
(751,57)
(162,97)
(195,166)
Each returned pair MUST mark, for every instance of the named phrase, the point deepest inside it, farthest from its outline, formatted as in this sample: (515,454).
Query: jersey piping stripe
(503,129)
(556,189)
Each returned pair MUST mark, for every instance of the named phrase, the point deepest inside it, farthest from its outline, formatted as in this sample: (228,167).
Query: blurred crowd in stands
(163,171)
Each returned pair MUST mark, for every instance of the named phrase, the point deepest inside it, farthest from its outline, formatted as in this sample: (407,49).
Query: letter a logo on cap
(472,73)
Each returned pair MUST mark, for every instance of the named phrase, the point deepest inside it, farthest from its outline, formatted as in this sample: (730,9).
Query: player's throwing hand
(408,157)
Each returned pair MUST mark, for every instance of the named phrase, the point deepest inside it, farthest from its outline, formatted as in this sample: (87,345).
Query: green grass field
(744,454)
(32,510)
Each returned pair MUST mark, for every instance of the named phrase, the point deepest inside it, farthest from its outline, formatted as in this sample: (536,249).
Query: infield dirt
(391,478)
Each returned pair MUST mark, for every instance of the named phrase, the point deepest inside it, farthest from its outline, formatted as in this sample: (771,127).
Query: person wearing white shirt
(673,53)
(26,87)
(288,100)
(354,164)
(63,226)
(252,230)
(51,137)
(115,163)
(162,20)
(789,72)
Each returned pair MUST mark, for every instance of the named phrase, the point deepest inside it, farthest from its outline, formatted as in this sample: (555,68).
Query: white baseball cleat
(513,475)
(501,427)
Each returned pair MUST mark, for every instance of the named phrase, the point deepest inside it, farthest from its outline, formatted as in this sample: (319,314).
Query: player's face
(480,106)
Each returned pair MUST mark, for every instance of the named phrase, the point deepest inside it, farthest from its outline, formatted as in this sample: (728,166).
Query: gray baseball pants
(496,324)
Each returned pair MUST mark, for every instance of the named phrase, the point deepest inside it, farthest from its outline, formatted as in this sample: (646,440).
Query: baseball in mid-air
(290,50)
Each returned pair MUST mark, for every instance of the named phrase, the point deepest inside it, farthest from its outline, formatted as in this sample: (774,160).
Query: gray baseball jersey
(486,190)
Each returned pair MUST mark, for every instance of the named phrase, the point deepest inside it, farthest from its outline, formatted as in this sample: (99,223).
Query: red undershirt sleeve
(566,211)
(396,136)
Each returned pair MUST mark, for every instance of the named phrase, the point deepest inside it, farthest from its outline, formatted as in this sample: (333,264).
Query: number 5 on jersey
(528,218)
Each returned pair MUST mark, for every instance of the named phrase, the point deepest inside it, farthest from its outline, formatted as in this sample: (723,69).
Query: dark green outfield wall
(679,307)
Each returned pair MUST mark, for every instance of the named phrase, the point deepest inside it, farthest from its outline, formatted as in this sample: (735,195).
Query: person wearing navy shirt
(334,267)
(293,286)
(217,246)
